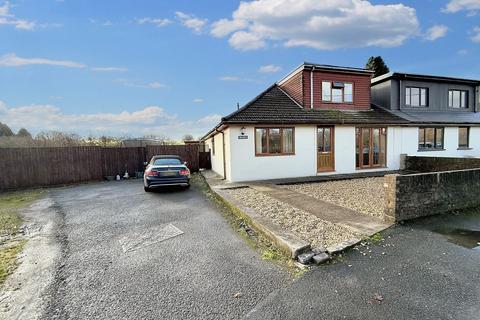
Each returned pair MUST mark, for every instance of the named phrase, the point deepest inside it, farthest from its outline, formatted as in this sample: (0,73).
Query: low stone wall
(432,164)
(417,195)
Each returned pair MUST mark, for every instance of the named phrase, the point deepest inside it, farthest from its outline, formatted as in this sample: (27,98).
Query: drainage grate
(150,236)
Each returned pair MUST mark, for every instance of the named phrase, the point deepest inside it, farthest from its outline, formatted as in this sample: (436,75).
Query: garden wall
(417,195)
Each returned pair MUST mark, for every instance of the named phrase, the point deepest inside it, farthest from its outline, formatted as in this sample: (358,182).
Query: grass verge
(254,239)
(8,258)
(10,221)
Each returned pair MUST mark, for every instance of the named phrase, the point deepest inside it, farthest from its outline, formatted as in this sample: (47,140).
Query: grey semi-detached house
(327,120)
(443,109)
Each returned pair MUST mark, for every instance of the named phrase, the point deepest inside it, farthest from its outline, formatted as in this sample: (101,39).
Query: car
(166,170)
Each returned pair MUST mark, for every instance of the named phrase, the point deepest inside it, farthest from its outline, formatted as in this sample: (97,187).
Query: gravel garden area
(364,195)
(306,226)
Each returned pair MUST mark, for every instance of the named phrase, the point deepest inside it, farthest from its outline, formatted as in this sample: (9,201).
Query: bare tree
(5,130)
(188,137)
(24,133)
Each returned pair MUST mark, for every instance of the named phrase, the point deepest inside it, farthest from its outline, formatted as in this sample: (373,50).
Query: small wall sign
(242,137)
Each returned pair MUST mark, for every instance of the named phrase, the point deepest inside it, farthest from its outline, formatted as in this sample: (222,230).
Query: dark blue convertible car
(166,171)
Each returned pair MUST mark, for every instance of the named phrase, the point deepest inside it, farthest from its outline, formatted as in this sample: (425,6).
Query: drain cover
(150,236)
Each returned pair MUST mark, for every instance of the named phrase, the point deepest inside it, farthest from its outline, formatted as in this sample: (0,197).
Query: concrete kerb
(285,240)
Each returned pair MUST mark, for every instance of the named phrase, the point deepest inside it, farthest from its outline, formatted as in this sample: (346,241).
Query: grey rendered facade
(388,92)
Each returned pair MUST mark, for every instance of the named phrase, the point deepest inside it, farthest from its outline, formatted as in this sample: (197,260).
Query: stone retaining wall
(424,194)
(432,164)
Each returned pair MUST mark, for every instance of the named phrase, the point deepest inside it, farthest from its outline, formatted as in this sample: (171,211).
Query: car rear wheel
(147,189)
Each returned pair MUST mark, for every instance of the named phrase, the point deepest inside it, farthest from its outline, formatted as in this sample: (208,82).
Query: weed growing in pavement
(240,224)
(10,221)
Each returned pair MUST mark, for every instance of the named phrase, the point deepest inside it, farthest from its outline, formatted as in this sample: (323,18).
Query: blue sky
(167,68)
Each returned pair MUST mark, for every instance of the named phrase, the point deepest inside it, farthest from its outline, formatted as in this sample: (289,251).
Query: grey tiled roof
(274,106)
(439,117)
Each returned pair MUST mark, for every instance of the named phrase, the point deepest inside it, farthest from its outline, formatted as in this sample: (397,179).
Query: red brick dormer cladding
(299,82)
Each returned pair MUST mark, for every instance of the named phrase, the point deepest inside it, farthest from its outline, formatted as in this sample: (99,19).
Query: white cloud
(103,23)
(471,6)
(12,60)
(229,78)
(224,27)
(155,21)
(191,22)
(212,119)
(463,52)
(6,18)
(243,40)
(150,120)
(476,35)
(269,68)
(322,25)
(198,100)
(235,78)
(109,69)
(139,84)
(155,85)
(436,32)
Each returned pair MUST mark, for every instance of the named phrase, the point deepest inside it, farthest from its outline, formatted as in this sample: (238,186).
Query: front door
(325,153)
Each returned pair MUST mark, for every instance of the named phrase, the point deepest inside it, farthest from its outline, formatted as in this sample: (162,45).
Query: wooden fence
(32,167)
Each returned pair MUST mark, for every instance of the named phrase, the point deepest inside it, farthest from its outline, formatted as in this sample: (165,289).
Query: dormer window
(416,97)
(337,92)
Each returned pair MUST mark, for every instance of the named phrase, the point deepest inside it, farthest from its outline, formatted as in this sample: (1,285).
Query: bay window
(274,141)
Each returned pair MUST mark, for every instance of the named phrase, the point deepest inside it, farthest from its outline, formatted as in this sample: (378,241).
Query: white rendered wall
(217,158)
(245,166)
(405,140)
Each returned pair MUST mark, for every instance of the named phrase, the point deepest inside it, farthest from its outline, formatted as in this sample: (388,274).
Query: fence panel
(118,160)
(35,167)
(204,160)
(188,153)
(28,167)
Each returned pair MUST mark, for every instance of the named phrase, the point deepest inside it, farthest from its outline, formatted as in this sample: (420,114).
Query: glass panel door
(325,153)
(370,147)
(366,147)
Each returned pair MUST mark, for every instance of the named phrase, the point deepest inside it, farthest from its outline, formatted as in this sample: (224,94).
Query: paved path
(361,223)
(191,276)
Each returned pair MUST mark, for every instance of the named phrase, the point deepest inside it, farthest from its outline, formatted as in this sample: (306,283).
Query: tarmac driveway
(123,257)
(206,272)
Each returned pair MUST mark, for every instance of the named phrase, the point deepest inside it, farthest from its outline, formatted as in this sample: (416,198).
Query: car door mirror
(185,162)
(145,163)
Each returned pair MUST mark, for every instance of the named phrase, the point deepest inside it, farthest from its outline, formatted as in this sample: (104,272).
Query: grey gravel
(319,233)
(364,195)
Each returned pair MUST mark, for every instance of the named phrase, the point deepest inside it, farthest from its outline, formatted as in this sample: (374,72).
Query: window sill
(430,150)
(275,155)
(331,102)
(464,148)
(371,168)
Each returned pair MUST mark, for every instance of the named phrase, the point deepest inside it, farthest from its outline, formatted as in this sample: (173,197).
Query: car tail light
(151,173)
(184,172)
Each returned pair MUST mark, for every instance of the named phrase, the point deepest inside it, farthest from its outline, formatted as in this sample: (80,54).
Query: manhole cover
(151,236)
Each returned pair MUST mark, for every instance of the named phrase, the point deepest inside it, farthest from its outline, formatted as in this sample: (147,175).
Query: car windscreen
(167,162)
